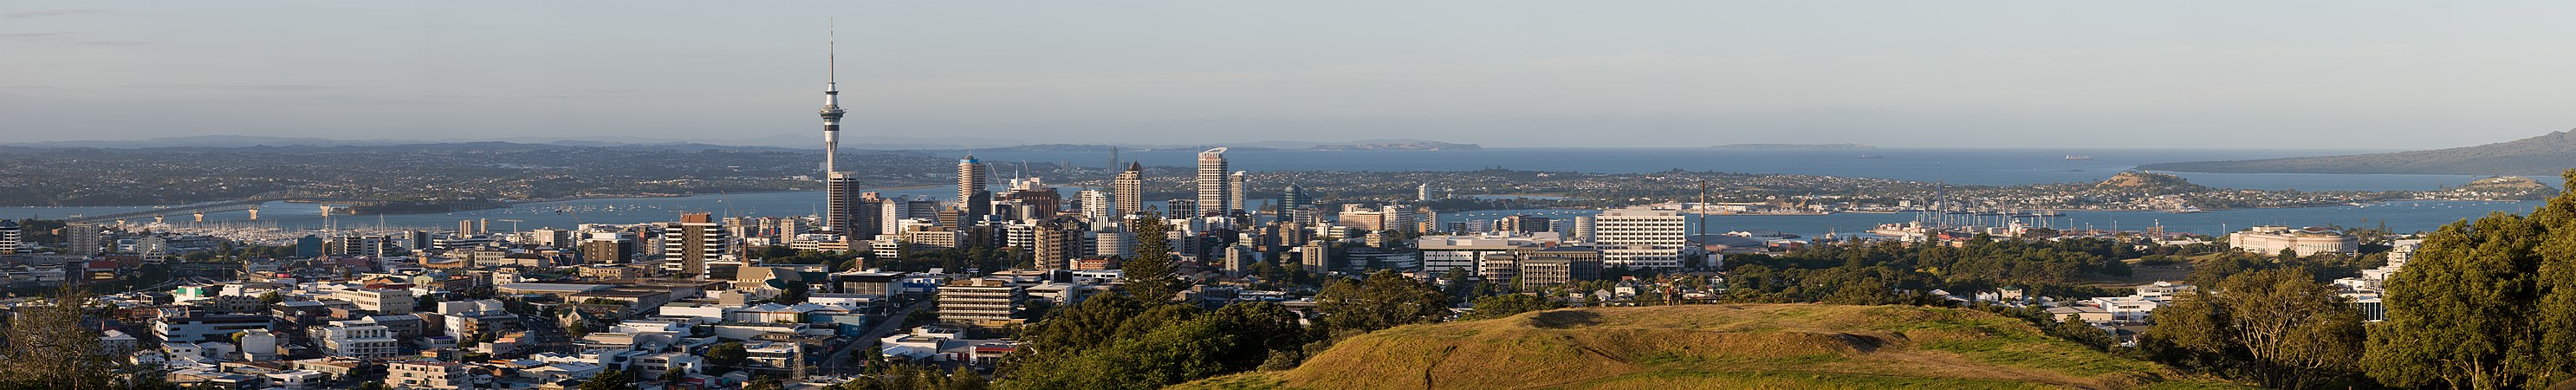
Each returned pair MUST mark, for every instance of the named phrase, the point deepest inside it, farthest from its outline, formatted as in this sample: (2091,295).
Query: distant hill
(2545,155)
(1794,147)
(1717,347)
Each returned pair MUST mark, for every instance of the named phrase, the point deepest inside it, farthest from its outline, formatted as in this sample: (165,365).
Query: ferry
(2076,157)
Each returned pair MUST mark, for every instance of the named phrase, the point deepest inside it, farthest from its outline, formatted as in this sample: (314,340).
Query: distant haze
(2191,74)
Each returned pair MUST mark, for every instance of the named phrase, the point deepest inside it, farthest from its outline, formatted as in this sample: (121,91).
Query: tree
(1149,276)
(728,355)
(2485,304)
(608,379)
(674,375)
(1385,300)
(271,298)
(2279,327)
(1500,306)
(46,346)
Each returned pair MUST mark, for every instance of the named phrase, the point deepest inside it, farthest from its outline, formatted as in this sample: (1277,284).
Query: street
(833,362)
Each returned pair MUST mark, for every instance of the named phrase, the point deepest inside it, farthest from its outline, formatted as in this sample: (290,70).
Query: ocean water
(1961,166)
(2409,216)
(1967,166)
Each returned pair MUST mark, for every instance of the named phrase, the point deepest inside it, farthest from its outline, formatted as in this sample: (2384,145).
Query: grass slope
(1751,346)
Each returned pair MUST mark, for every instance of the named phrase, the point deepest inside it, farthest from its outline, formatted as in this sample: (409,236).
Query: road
(832,362)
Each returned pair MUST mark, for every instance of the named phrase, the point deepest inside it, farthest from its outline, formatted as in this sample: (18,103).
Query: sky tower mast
(831,107)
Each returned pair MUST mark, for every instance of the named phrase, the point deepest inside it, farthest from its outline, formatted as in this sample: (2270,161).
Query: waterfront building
(973,201)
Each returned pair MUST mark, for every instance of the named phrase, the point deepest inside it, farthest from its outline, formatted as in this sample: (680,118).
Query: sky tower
(840,189)
(831,107)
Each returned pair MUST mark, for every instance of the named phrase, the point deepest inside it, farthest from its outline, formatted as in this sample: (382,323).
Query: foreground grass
(1776,346)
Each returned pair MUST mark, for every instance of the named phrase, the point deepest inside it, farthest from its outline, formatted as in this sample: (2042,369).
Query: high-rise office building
(687,245)
(973,201)
(1129,189)
(1212,182)
(1290,199)
(1234,193)
(841,210)
(1422,193)
(1639,238)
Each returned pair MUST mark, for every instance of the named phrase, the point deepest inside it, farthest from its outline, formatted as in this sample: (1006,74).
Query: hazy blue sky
(2325,74)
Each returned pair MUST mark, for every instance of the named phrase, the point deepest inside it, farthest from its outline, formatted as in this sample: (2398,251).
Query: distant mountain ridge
(2545,155)
(1794,147)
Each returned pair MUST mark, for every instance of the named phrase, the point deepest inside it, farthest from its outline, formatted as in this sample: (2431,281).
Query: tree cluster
(2485,305)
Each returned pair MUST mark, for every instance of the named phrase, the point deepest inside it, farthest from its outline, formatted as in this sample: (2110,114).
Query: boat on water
(2185,210)
(2076,157)
(1868,156)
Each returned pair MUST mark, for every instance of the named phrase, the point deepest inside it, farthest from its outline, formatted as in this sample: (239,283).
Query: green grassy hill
(1753,346)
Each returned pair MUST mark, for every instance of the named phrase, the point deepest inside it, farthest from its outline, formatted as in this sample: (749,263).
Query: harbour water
(1968,166)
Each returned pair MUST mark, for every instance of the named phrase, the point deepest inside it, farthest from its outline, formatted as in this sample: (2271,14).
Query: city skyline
(1497,74)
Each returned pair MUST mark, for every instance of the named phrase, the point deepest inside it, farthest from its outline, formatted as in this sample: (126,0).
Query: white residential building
(363,342)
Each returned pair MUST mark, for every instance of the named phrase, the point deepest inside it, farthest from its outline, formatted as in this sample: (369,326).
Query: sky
(2181,74)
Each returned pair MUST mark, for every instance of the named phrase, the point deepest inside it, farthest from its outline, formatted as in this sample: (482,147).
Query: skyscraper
(1212,181)
(1234,193)
(1290,199)
(1422,193)
(1129,189)
(842,203)
(973,202)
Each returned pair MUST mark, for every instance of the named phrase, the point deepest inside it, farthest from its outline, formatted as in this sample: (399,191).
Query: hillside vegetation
(2542,155)
(1717,347)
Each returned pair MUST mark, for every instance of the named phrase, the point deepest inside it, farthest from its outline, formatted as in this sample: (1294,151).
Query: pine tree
(1149,276)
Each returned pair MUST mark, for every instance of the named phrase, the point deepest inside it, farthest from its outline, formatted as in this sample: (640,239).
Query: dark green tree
(1500,306)
(608,379)
(2279,327)
(2485,304)
(1385,300)
(728,355)
(1149,276)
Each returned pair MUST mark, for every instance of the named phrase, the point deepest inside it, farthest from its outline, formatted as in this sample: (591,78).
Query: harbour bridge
(200,210)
